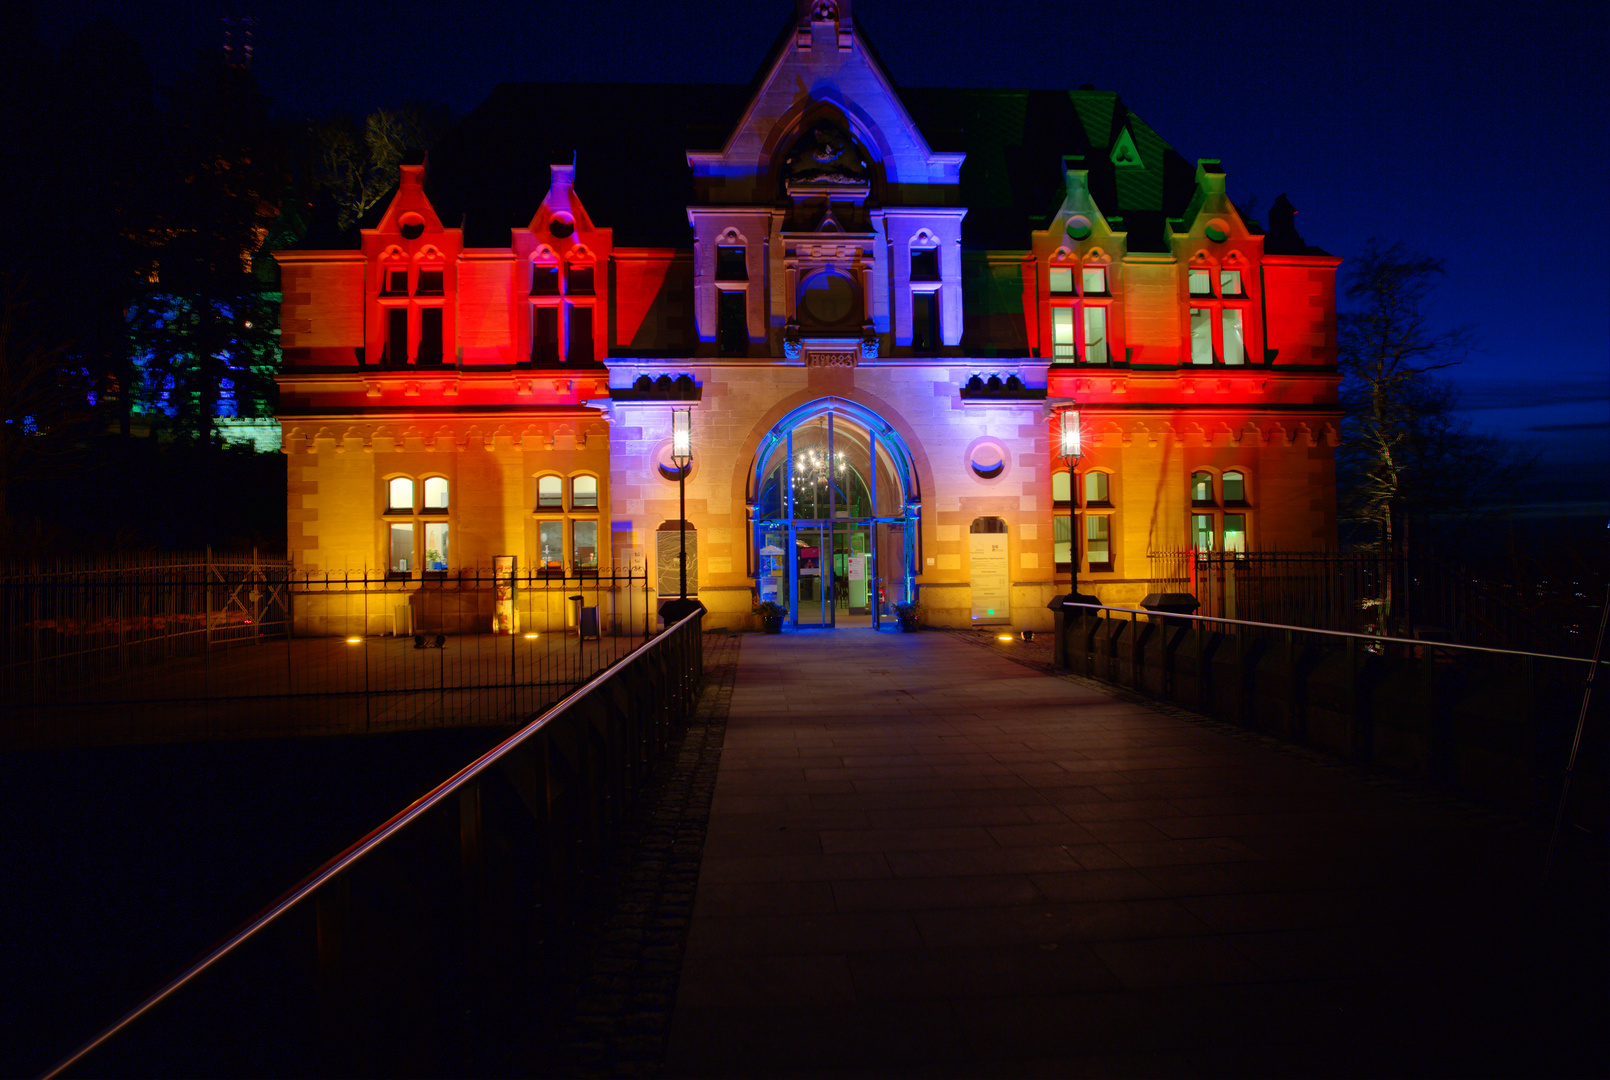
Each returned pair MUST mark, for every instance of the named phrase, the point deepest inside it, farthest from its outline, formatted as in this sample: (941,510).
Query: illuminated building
(877,303)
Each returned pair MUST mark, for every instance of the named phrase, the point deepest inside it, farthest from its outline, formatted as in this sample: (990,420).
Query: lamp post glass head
(681,437)
(1072,445)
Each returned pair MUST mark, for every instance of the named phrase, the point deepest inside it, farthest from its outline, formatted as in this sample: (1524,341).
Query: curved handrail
(1335,633)
(377,836)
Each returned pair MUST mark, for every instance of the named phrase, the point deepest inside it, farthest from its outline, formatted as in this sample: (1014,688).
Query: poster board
(667,551)
(992,597)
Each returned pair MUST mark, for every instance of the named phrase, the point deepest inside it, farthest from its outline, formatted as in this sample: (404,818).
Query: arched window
(1202,489)
(435,493)
(550,493)
(1061,488)
(1235,488)
(584,493)
(400,495)
(1096,493)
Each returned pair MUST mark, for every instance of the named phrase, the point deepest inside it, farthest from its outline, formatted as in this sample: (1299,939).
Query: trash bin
(588,627)
(573,610)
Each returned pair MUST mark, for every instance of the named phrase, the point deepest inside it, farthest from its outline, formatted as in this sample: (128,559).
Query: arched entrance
(835,512)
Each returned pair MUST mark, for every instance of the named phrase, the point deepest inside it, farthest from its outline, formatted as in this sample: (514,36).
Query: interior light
(354,641)
(530,637)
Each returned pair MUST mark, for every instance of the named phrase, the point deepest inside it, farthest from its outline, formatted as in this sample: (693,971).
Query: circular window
(412,226)
(561,226)
(987,459)
(1218,231)
(1078,226)
(828,300)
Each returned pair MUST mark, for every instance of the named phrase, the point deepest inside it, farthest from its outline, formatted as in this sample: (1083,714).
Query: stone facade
(830,267)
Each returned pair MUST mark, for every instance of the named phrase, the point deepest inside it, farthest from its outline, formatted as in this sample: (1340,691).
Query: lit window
(551,547)
(1061,281)
(400,496)
(1062,332)
(584,493)
(401,548)
(584,554)
(1202,488)
(1062,541)
(1234,350)
(924,264)
(435,493)
(1235,532)
(1095,334)
(1201,283)
(1201,335)
(1098,541)
(1061,488)
(550,493)
(1202,532)
(1235,487)
(436,545)
(1230,283)
(1096,489)
(1095,281)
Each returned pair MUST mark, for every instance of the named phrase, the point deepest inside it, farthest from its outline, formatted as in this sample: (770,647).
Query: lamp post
(682,458)
(1070,447)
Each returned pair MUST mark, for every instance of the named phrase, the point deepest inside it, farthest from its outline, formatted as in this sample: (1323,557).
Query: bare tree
(358,166)
(1387,350)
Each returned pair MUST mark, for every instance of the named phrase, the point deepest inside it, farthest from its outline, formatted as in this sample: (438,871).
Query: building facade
(888,312)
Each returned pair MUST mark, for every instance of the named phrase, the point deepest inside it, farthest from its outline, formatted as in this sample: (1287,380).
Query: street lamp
(1070,447)
(682,458)
(1069,442)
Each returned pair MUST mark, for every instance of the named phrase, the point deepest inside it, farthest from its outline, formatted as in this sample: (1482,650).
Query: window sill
(1101,505)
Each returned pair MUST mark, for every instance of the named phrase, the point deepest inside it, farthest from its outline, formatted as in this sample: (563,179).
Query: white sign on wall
(991,590)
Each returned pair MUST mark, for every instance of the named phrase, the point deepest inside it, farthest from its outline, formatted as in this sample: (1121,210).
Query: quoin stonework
(887,310)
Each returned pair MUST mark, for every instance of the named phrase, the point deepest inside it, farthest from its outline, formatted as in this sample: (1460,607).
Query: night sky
(1475,131)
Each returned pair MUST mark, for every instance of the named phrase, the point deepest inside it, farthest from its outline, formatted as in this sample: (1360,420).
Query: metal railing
(234,648)
(1369,593)
(473,877)
(1491,723)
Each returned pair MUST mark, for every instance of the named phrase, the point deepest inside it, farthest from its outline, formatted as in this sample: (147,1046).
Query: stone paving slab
(925,859)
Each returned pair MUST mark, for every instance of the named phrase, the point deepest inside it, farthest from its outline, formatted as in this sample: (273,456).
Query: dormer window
(580,281)
(924,264)
(562,312)
(430,282)
(396,281)
(1218,319)
(544,281)
(1079,320)
(731,264)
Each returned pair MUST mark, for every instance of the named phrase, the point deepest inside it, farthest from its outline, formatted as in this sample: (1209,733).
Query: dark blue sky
(1476,132)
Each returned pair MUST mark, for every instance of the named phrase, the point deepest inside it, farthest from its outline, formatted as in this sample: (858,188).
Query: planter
(772,625)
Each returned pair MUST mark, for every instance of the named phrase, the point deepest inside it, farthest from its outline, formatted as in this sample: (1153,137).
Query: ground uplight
(1003,637)
(354,641)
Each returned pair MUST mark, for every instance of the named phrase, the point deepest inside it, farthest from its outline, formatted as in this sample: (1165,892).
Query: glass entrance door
(852,574)
(889,560)
(813,576)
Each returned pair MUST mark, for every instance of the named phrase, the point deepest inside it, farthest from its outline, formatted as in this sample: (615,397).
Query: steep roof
(630,142)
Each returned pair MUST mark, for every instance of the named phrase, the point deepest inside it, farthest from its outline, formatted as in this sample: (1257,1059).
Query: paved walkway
(923,858)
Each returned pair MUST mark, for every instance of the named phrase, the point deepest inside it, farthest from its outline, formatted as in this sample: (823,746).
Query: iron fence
(417,950)
(1427,599)
(233,647)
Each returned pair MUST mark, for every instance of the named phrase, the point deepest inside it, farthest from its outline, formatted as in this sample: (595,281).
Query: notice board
(992,598)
